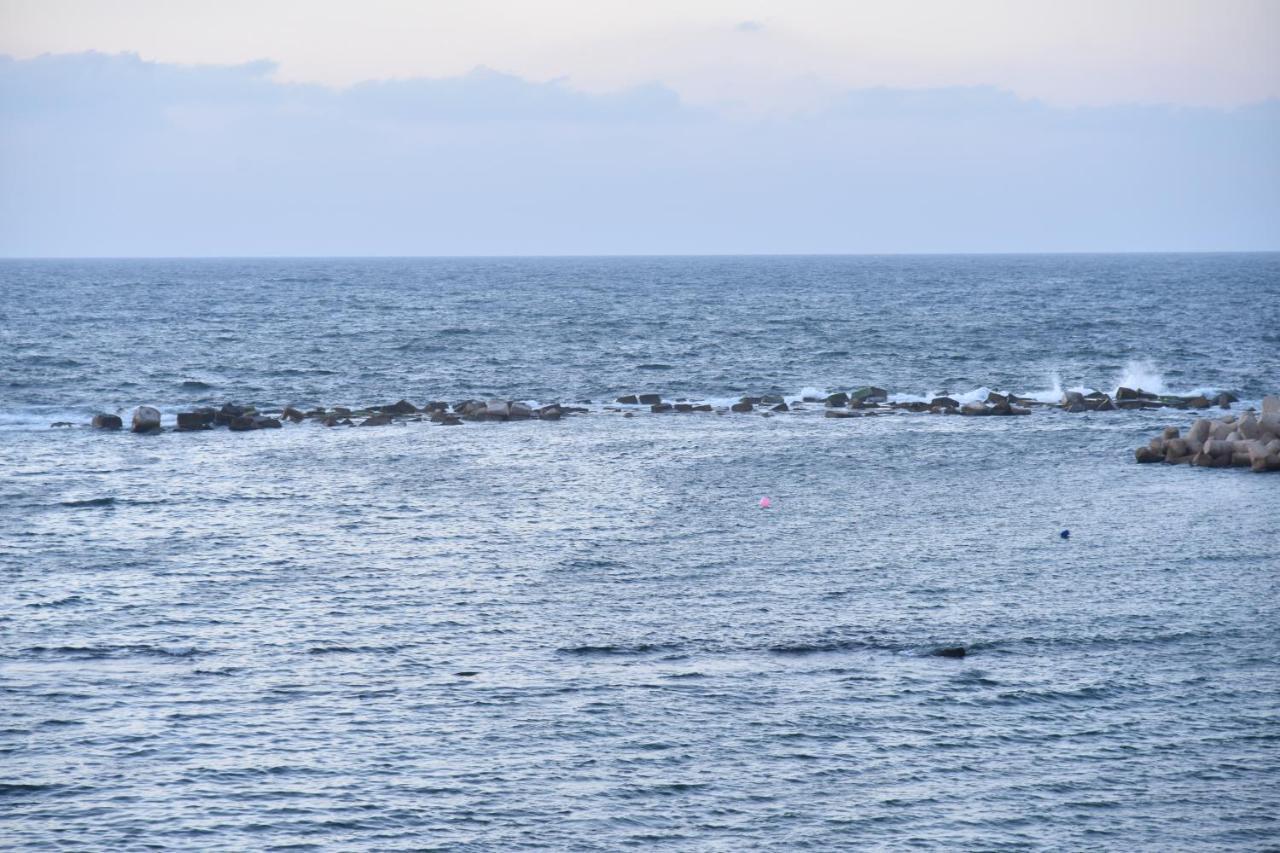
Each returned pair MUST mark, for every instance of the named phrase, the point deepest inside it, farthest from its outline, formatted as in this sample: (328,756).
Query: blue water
(586,635)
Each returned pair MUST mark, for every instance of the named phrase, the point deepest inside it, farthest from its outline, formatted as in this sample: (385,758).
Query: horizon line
(603,255)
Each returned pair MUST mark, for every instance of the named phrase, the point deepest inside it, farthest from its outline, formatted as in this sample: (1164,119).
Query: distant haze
(281,128)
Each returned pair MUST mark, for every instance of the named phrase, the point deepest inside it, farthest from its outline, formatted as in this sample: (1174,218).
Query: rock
(781,407)
(448,420)
(649,399)
(341,412)
(1248,426)
(1104,405)
(1148,454)
(145,419)
(1071,398)
(837,400)
(497,410)
(1200,402)
(870,394)
(997,399)
(1227,397)
(380,419)
(628,400)
(1224,401)
(937,402)
(974,409)
(841,413)
(1157,445)
(659,408)
(1176,447)
(190,421)
(552,412)
(741,407)
(771,400)
(266,423)
(57,424)
(292,414)
(702,407)
(518,411)
(1271,405)
(331,421)
(105,421)
(241,423)
(1170,432)
(950,652)
(1123,393)
(403,407)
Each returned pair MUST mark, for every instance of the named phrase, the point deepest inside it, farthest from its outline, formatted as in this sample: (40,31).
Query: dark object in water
(950,652)
(1066,534)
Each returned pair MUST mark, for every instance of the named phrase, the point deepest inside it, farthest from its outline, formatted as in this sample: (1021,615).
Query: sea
(588,634)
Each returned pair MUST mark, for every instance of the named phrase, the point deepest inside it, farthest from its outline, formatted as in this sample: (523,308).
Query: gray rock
(870,394)
(106,421)
(145,419)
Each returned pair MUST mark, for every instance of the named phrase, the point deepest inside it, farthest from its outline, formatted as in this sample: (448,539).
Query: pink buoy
(765,503)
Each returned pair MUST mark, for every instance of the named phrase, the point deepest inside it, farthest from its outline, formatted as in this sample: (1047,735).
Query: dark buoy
(1066,534)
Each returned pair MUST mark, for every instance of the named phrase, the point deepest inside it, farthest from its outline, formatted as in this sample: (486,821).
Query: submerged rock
(192,421)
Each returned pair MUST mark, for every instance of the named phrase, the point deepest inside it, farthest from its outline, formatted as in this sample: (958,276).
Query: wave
(620,650)
(89,502)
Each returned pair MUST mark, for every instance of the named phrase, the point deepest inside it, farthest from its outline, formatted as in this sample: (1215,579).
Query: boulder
(1198,402)
(974,409)
(518,411)
(1170,432)
(684,407)
(837,399)
(841,413)
(997,399)
(649,399)
(939,402)
(1271,405)
(1224,401)
(260,422)
(741,407)
(1157,444)
(781,407)
(870,394)
(628,400)
(106,421)
(1176,447)
(702,407)
(380,419)
(771,400)
(552,412)
(145,419)
(661,407)
(448,420)
(497,410)
(1248,426)
(292,414)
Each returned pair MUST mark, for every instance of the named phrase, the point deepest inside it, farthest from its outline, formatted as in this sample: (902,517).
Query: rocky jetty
(866,401)
(1251,441)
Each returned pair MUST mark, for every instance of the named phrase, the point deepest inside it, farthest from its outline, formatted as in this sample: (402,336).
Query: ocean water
(587,635)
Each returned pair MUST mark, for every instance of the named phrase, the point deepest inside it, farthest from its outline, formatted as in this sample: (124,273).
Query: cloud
(111,155)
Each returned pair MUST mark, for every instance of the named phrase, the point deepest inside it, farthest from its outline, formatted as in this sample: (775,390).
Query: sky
(284,127)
